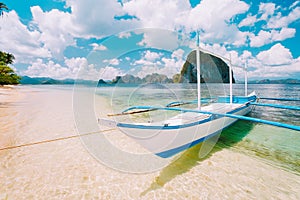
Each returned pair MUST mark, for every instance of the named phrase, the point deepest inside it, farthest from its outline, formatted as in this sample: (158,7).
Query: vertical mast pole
(246,80)
(230,80)
(198,71)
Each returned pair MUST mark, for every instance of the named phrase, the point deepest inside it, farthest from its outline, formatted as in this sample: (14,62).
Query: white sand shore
(65,170)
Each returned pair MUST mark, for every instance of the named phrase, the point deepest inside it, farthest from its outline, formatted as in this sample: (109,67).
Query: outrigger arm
(214,115)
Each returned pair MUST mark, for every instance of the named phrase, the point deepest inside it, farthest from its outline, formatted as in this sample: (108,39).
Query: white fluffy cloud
(178,54)
(124,35)
(214,20)
(278,21)
(149,58)
(109,73)
(153,62)
(156,13)
(75,65)
(49,69)
(263,71)
(113,61)
(248,21)
(97,47)
(152,56)
(57,29)
(219,51)
(262,38)
(296,3)
(267,10)
(275,56)
(76,68)
(158,38)
(283,34)
(96,18)
(267,37)
(178,14)
(16,38)
(270,13)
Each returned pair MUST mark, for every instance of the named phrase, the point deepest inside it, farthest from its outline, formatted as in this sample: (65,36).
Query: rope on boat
(53,140)
(279,99)
(276,106)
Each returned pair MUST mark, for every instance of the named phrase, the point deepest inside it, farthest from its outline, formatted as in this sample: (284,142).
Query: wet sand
(65,170)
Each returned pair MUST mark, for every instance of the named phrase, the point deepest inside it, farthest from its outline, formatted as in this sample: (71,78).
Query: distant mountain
(127,79)
(157,78)
(280,81)
(150,78)
(101,82)
(37,80)
(26,80)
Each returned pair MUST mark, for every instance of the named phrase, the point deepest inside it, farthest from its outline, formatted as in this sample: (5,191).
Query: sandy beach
(65,170)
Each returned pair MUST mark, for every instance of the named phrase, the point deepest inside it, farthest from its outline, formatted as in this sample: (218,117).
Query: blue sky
(94,39)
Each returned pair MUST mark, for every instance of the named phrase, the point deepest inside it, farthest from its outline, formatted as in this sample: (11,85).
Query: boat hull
(166,141)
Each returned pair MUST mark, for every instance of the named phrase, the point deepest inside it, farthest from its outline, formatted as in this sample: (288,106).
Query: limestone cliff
(213,69)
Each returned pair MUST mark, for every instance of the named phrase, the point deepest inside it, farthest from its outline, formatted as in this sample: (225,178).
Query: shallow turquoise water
(276,146)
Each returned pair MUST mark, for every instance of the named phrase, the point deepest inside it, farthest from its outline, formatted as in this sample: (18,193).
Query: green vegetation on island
(7,74)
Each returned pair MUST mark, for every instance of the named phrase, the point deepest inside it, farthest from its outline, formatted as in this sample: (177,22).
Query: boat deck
(189,117)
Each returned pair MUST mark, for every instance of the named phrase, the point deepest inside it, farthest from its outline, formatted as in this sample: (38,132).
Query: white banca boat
(191,126)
